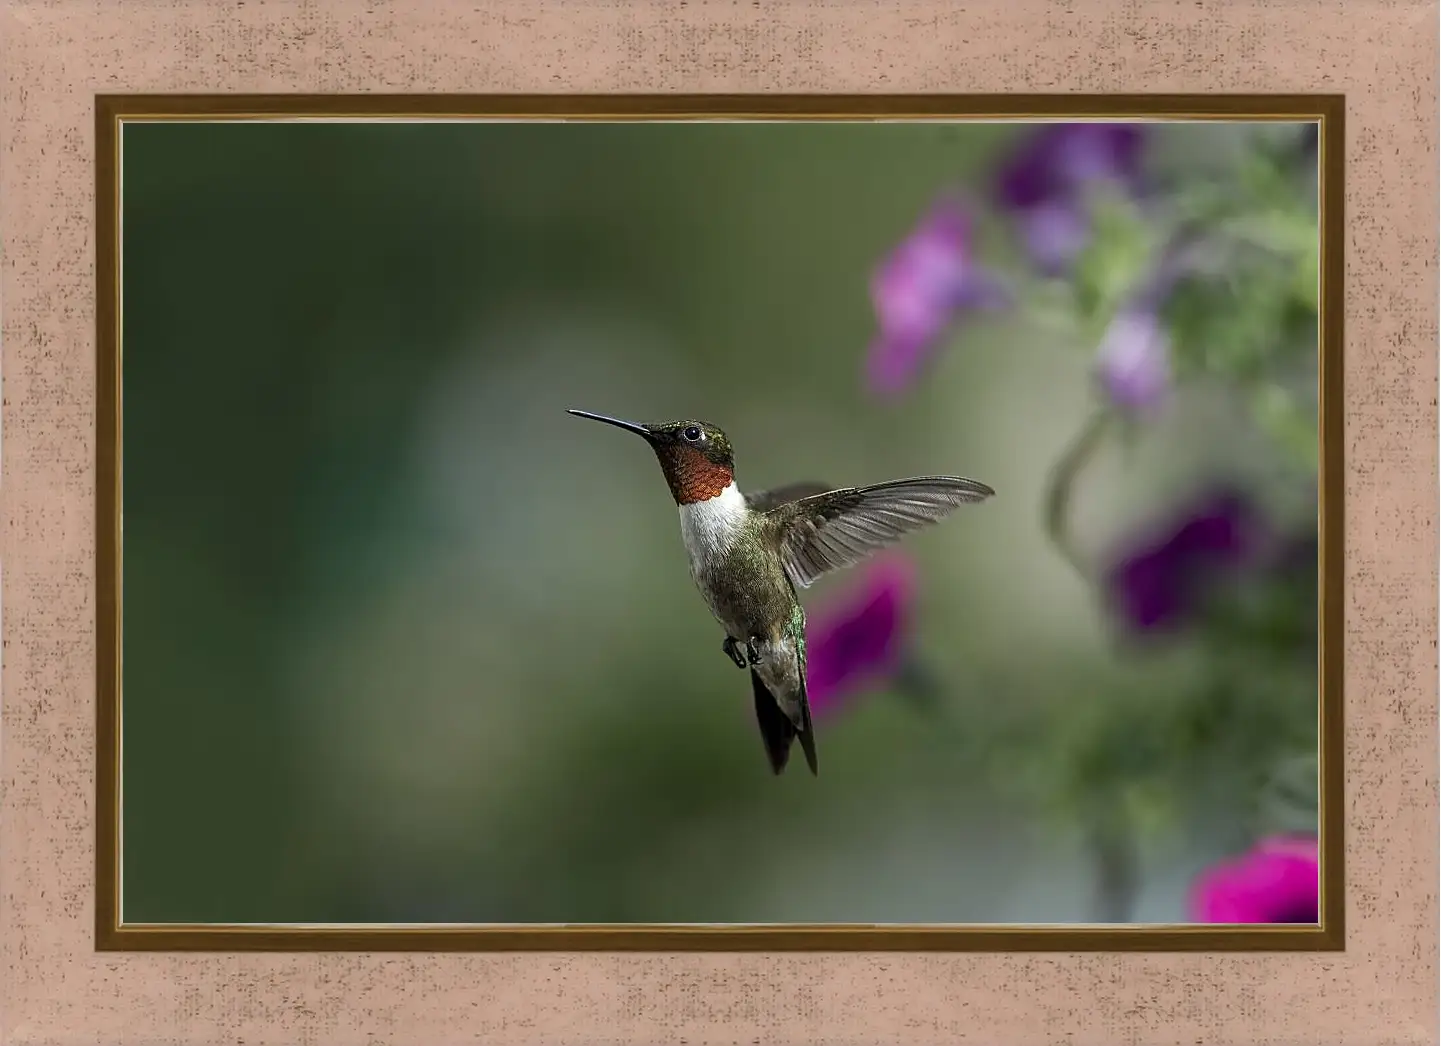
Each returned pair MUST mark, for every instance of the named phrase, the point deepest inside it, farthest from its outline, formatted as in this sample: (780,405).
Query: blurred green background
(404,642)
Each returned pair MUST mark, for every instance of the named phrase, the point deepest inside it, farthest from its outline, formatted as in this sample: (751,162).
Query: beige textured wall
(1381,53)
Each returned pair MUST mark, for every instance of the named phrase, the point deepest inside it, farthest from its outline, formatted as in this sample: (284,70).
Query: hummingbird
(749,553)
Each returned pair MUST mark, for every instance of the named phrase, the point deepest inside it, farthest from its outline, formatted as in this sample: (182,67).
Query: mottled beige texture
(1381,53)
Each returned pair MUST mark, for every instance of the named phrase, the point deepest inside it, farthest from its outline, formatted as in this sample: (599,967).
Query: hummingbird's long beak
(629,426)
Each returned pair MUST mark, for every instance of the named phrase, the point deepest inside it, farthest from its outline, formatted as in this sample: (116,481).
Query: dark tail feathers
(777,730)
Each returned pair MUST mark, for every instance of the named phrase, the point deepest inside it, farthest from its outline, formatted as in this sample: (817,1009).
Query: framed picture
(391,640)
(694,523)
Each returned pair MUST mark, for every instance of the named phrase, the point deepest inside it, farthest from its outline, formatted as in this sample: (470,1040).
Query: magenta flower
(1279,881)
(860,638)
(1163,579)
(1044,183)
(921,289)
(1133,362)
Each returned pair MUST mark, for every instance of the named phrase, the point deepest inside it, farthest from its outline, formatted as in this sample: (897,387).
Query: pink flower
(1279,881)
(861,637)
(920,289)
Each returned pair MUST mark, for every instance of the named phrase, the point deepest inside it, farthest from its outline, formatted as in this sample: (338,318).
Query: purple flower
(1044,183)
(1054,232)
(861,637)
(920,289)
(1162,580)
(1279,881)
(1059,160)
(1134,360)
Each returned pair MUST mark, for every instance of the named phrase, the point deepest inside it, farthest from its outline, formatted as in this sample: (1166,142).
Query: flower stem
(1061,488)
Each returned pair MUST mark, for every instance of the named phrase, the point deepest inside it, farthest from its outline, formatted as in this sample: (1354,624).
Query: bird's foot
(752,650)
(732,649)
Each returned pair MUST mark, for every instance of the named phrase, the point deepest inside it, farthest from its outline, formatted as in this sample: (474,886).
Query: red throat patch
(692,476)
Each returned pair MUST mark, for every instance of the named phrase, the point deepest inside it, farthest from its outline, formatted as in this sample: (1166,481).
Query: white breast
(711,527)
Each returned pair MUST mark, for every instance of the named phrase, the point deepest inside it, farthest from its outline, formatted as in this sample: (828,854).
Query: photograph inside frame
(945,551)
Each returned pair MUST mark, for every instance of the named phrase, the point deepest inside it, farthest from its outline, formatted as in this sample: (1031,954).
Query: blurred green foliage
(1119,257)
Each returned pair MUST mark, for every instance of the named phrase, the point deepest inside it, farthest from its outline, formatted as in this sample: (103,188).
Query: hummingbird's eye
(692,434)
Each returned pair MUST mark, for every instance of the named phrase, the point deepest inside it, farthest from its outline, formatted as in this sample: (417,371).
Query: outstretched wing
(765,500)
(840,528)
